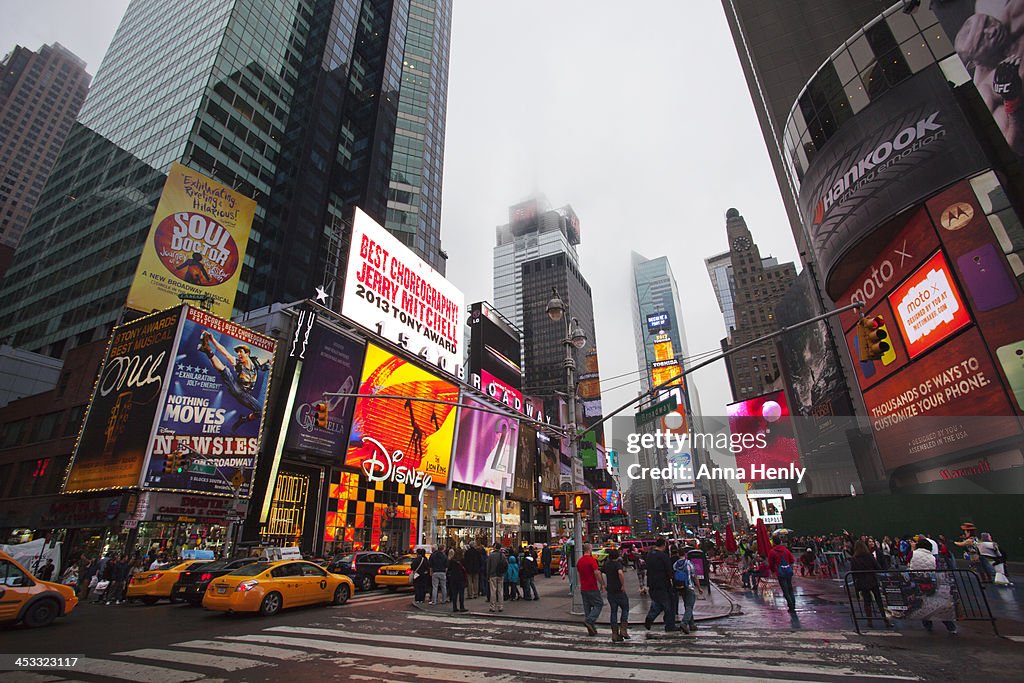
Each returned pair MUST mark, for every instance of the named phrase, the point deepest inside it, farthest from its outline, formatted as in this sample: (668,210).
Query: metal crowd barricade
(835,564)
(935,595)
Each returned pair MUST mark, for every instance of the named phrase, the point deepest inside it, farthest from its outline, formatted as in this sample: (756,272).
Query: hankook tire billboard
(896,152)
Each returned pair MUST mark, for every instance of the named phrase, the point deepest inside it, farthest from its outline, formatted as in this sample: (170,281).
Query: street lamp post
(575,338)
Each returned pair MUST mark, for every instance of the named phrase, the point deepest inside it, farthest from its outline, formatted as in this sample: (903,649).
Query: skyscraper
(758,288)
(40,96)
(533,230)
(311,108)
(723,280)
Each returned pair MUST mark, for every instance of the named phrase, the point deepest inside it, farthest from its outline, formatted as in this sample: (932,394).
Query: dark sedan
(361,567)
(191,585)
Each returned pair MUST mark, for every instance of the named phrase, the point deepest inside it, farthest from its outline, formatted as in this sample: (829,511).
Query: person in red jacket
(780,563)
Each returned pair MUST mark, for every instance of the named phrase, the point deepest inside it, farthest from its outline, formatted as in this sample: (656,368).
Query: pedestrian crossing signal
(560,502)
(321,415)
(581,502)
(871,334)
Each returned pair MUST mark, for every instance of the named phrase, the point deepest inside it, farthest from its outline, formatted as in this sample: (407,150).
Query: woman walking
(421,575)
(865,580)
(618,601)
(457,580)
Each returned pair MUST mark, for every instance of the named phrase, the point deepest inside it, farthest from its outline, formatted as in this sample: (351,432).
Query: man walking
(496,567)
(438,576)
(780,563)
(659,585)
(688,586)
(591,585)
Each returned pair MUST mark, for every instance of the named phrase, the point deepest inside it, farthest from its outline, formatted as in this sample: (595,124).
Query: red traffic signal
(321,415)
(871,334)
(560,502)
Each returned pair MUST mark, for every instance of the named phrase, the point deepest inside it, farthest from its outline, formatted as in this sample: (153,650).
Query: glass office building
(311,108)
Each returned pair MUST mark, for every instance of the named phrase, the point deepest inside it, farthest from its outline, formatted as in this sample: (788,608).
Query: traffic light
(181,466)
(580,502)
(321,415)
(560,502)
(870,338)
(171,462)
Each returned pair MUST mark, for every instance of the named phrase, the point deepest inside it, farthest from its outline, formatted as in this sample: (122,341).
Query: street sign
(237,479)
(202,468)
(657,410)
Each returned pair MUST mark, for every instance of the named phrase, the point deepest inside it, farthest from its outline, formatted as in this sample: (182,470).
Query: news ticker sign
(392,292)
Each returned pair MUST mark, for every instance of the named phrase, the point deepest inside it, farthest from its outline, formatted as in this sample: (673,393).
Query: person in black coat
(545,560)
(864,565)
(421,575)
(457,580)
(659,584)
(472,562)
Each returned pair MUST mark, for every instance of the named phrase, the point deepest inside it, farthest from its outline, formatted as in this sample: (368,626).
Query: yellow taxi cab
(397,575)
(267,587)
(150,586)
(31,601)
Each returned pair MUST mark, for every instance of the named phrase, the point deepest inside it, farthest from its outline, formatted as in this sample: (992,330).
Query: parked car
(31,601)
(191,585)
(150,586)
(361,567)
(268,587)
(397,575)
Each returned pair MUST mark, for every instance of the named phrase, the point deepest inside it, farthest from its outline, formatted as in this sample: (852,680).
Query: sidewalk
(555,602)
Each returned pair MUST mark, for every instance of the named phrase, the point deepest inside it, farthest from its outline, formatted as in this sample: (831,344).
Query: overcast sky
(636,114)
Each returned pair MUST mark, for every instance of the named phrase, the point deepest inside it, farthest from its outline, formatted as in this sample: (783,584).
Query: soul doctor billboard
(395,294)
(195,245)
(401,439)
(211,417)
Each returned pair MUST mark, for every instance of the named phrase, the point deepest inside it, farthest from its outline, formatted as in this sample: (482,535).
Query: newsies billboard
(894,153)
(395,294)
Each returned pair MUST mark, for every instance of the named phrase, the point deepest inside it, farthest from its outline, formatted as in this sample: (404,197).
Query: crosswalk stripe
(701,659)
(28,677)
(212,661)
(242,649)
(477,662)
(128,671)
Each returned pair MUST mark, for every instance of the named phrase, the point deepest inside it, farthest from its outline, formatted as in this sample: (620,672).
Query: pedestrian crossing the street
(465,649)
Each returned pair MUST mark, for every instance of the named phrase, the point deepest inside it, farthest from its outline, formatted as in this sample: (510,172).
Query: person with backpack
(780,563)
(684,580)
(496,566)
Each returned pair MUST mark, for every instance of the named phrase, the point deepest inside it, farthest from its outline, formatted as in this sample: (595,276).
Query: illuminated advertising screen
(400,439)
(212,417)
(658,322)
(549,466)
(683,462)
(331,364)
(763,431)
(494,353)
(485,451)
(111,448)
(395,294)
(196,244)
(928,306)
(609,501)
(526,457)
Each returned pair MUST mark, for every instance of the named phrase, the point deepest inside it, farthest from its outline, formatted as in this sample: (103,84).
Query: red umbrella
(763,544)
(718,539)
(730,539)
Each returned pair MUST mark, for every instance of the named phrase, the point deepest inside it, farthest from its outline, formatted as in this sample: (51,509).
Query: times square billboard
(179,406)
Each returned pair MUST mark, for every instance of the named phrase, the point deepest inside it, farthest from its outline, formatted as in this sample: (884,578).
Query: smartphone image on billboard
(1011,357)
(986,279)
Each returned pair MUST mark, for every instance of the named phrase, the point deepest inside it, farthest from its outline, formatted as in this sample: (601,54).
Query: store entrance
(394,537)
